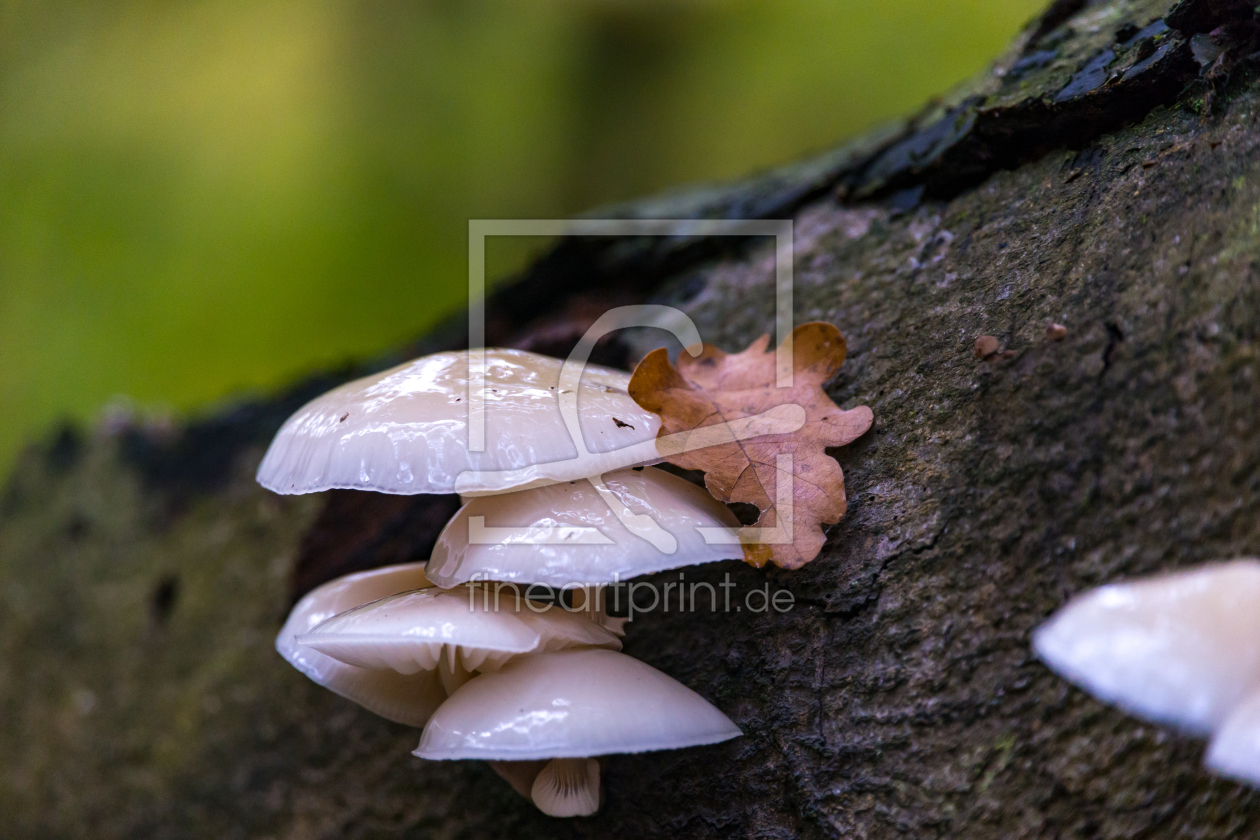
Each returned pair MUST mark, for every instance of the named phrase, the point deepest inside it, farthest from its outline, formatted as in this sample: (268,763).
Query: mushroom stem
(519,774)
(451,671)
(567,787)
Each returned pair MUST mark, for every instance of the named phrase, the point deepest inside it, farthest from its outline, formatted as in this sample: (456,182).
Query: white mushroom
(572,706)
(1181,648)
(408,700)
(1235,748)
(451,632)
(407,430)
(566,534)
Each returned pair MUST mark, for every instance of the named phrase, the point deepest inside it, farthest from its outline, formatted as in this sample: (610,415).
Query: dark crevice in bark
(357,531)
(1114,337)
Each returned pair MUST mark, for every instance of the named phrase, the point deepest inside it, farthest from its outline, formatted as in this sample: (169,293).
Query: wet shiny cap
(406,430)
(1181,648)
(568,534)
(571,704)
(408,700)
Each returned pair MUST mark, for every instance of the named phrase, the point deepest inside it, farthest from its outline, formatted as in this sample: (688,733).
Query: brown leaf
(714,389)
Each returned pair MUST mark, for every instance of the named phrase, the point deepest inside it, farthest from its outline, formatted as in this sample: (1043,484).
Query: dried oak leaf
(716,388)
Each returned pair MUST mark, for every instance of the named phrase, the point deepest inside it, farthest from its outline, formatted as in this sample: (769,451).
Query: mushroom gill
(452,633)
(567,787)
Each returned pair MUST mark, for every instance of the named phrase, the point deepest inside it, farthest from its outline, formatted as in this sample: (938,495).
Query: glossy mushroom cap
(545,535)
(406,430)
(458,631)
(1182,648)
(408,700)
(571,704)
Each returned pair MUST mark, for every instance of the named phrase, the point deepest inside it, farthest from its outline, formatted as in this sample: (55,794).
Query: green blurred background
(200,198)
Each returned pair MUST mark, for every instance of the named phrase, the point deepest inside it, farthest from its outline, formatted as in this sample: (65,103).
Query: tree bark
(1104,177)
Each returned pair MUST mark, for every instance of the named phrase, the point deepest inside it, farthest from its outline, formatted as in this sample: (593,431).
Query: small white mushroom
(408,700)
(451,632)
(1235,748)
(566,534)
(570,705)
(1181,648)
(407,430)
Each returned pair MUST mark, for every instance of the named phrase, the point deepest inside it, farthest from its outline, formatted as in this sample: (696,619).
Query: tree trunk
(1104,177)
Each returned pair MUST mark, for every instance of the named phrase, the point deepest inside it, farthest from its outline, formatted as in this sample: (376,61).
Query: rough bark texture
(1101,177)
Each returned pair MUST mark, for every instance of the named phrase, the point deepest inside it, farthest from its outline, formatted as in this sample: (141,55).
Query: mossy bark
(144,573)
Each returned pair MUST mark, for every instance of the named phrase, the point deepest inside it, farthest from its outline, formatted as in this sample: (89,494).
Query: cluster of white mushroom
(1180,649)
(556,495)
